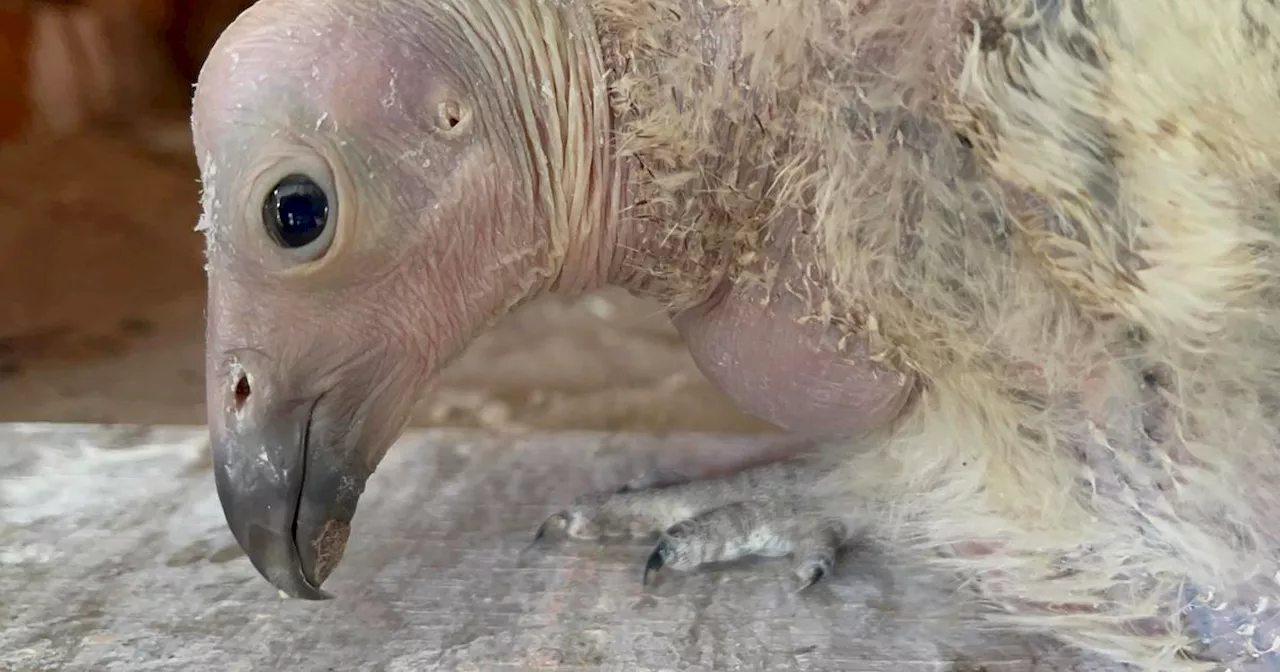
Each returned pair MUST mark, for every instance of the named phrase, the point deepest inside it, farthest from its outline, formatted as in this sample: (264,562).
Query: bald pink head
(378,187)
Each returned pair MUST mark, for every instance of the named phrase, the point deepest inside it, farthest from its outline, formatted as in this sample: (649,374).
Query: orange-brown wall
(15,36)
(180,32)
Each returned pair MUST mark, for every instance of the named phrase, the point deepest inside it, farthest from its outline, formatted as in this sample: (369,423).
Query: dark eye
(296,212)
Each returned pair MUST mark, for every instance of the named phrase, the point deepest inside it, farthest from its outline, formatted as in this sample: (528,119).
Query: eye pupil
(296,212)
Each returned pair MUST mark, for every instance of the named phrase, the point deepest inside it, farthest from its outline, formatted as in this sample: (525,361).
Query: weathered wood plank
(114,556)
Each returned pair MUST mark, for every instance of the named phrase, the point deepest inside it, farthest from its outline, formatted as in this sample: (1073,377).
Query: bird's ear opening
(453,116)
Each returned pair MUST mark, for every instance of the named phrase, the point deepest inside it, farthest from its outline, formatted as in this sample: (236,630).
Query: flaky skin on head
(1053,225)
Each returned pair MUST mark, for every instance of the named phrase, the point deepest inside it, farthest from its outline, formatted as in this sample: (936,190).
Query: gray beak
(288,507)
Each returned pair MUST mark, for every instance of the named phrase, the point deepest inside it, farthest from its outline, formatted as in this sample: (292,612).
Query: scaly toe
(556,523)
(811,573)
(657,559)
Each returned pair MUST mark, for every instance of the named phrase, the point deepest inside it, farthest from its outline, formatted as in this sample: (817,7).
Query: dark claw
(815,576)
(541,535)
(655,563)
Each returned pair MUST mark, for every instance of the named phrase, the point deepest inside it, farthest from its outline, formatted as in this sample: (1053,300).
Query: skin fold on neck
(573,65)
(550,55)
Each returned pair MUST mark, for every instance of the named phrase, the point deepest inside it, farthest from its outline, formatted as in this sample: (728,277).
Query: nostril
(242,391)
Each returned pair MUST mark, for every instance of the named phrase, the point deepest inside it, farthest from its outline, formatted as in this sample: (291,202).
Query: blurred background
(101,278)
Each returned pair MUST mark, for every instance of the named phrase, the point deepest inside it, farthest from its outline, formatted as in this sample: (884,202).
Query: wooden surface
(114,555)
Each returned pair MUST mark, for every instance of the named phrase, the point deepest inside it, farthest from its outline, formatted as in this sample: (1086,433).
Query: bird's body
(1011,259)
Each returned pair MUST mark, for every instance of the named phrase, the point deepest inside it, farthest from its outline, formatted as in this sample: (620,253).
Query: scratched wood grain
(114,556)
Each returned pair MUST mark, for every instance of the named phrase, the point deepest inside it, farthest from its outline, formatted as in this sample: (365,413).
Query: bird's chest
(758,344)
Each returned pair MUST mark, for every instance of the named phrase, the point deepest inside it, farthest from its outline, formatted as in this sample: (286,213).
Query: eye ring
(297,214)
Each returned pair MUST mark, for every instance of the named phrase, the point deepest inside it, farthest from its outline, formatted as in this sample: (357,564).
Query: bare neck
(637,57)
(547,58)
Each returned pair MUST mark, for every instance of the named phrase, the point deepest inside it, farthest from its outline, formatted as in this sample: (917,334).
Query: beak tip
(294,584)
(275,560)
(310,593)
(289,510)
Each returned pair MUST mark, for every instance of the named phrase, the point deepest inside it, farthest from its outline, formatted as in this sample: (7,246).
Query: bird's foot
(759,512)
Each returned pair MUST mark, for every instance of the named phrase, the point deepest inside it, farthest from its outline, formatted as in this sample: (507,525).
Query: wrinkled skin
(456,190)
(328,398)
(429,238)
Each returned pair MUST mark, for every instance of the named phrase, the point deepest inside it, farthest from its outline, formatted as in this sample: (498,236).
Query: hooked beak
(288,503)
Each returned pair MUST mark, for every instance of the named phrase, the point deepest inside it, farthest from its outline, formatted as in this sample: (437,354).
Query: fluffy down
(1063,223)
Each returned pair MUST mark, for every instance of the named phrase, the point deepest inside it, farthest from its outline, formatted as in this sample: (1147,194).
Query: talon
(815,575)
(559,520)
(656,561)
